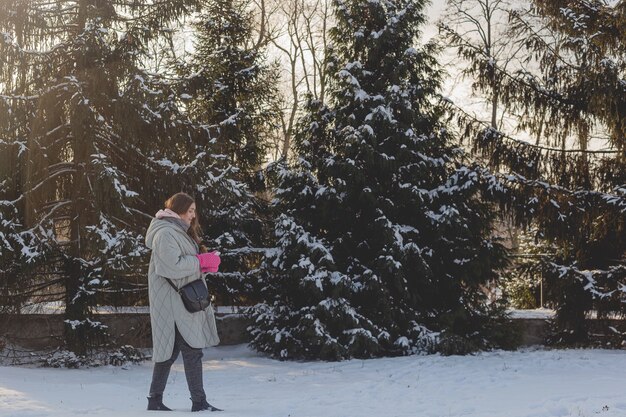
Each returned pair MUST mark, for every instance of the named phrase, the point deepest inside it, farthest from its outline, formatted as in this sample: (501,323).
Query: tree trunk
(77,335)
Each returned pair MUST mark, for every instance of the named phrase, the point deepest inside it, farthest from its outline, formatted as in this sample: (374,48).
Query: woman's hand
(209,262)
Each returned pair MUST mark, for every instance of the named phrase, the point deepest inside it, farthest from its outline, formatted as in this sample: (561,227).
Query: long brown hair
(179,203)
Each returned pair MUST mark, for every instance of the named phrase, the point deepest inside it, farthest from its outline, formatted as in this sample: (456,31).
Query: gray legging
(192,360)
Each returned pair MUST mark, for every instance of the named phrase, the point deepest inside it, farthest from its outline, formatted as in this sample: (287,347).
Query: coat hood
(156,225)
(166,213)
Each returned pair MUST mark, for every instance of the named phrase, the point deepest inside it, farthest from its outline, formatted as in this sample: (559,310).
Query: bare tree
(298,36)
(478,31)
(265,13)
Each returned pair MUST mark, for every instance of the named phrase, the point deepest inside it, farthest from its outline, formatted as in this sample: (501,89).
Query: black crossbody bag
(195,295)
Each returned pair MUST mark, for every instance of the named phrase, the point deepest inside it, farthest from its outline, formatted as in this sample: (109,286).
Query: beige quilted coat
(173,256)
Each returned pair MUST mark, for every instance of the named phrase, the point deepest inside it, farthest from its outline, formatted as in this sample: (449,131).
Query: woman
(174,237)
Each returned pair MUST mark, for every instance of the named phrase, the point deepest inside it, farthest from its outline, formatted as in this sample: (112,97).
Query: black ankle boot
(156,404)
(203,406)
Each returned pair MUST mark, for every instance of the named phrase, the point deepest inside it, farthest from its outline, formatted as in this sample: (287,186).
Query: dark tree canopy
(569,92)
(95,144)
(383,241)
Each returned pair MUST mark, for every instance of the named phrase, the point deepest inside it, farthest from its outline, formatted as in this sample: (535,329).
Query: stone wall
(534,331)
(38,331)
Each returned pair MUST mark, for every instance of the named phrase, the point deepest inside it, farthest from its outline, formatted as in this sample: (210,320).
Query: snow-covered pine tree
(233,87)
(231,90)
(19,251)
(580,91)
(568,94)
(385,241)
(93,136)
(306,311)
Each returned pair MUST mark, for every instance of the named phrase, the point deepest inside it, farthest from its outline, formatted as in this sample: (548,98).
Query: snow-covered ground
(531,383)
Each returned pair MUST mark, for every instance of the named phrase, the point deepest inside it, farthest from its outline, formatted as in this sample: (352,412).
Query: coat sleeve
(170,262)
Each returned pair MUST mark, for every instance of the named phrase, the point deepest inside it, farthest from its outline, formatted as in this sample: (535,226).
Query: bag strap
(172,284)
